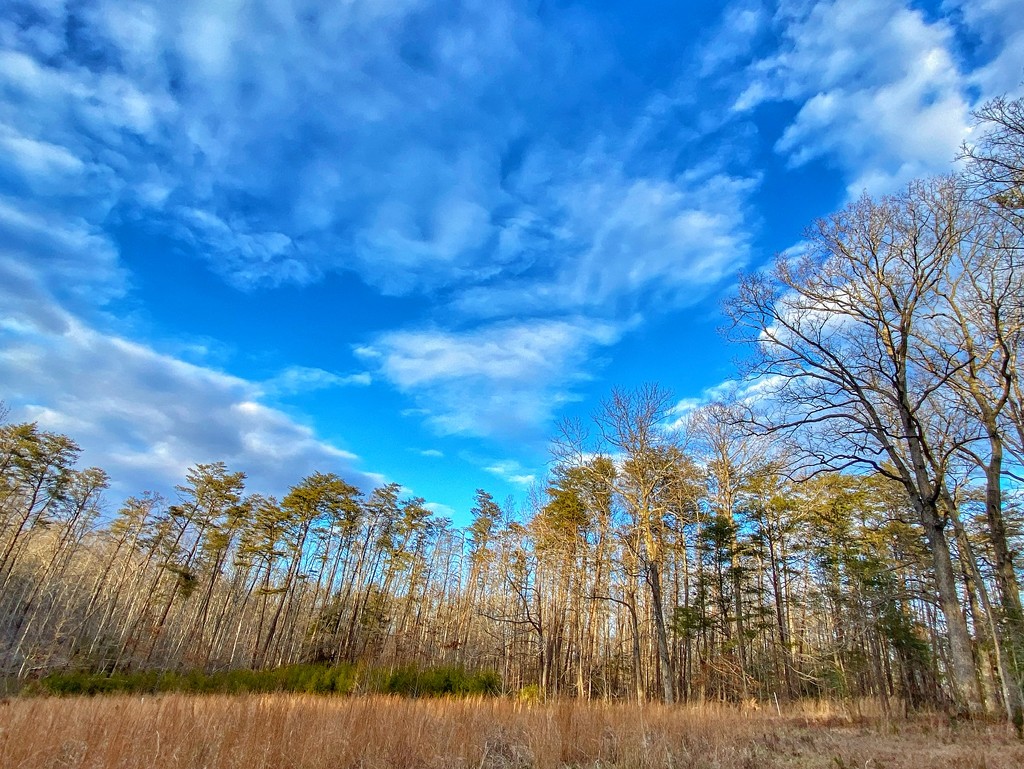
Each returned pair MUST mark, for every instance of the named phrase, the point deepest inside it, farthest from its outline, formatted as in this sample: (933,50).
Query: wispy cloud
(506,379)
(396,159)
(44,251)
(734,38)
(142,415)
(742,391)
(998,25)
(512,471)
(300,379)
(440,509)
(879,90)
(624,241)
(376,127)
(461,152)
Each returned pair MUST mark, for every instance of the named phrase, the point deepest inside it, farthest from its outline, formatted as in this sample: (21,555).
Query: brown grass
(306,732)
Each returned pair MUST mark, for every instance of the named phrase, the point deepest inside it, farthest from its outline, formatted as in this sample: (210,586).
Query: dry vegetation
(287,731)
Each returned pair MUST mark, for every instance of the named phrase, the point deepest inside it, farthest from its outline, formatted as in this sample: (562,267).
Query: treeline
(837,527)
(645,571)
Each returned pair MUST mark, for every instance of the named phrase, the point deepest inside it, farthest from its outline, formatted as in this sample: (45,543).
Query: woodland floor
(300,732)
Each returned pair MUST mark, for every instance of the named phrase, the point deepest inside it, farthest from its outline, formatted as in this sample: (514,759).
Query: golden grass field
(306,732)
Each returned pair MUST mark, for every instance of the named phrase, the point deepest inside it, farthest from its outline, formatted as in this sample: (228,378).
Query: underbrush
(301,679)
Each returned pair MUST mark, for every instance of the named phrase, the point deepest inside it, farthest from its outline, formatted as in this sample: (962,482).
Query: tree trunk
(665,660)
(962,672)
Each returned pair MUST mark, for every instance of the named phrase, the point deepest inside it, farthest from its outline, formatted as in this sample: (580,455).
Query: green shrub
(530,693)
(307,679)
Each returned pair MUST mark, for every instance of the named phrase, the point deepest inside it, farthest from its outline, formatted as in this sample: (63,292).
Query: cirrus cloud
(506,379)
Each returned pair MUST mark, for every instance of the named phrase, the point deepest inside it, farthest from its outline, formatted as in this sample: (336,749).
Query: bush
(530,693)
(307,679)
(440,682)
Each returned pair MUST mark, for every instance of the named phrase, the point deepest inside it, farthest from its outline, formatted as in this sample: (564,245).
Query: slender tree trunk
(962,669)
(665,666)
(1012,699)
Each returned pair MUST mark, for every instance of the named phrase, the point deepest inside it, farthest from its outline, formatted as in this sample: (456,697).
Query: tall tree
(836,337)
(634,425)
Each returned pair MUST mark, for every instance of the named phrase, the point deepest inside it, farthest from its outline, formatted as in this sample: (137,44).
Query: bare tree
(995,166)
(836,338)
(731,455)
(633,425)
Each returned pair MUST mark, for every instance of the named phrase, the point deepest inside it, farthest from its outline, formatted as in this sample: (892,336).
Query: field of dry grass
(307,732)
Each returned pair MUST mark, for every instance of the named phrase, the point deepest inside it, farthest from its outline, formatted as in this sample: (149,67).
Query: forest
(845,523)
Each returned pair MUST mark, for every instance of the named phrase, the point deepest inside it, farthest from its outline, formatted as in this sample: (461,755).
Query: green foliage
(689,621)
(530,694)
(439,682)
(306,679)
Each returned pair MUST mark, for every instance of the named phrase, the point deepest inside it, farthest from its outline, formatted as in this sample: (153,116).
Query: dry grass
(306,732)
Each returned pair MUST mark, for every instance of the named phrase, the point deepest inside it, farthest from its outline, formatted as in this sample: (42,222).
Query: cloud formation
(300,379)
(145,417)
(998,28)
(506,379)
(880,92)
(509,169)
(424,146)
(141,415)
(512,471)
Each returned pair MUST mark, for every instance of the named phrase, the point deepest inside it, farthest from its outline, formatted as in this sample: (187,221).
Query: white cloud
(513,472)
(742,23)
(202,105)
(431,453)
(361,137)
(39,161)
(283,139)
(51,266)
(437,148)
(625,242)
(746,392)
(880,90)
(505,379)
(440,510)
(145,417)
(300,379)
(999,27)
(504,352)
(141,415)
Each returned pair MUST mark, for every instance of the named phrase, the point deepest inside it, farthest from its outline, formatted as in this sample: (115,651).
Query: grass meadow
(289,731)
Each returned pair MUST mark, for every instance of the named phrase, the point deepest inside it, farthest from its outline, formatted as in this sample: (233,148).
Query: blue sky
(400,239)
